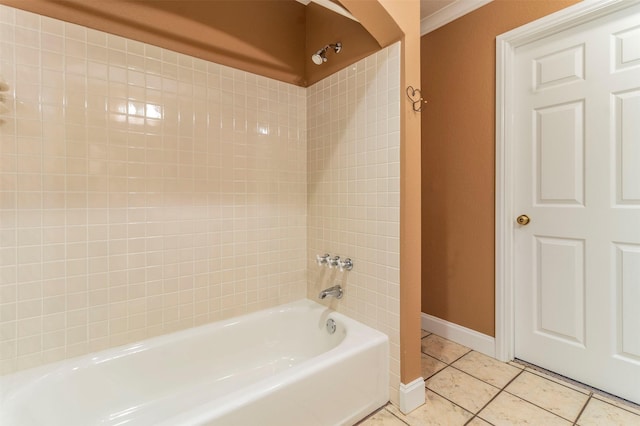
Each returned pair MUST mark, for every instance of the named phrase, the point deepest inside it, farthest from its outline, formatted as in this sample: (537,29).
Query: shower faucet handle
(345,265)
(334,261)
(323,260)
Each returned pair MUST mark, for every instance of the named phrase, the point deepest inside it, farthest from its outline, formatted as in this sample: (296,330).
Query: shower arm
(320,56)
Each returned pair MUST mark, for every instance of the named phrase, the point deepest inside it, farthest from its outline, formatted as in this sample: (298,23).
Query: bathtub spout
(335,291)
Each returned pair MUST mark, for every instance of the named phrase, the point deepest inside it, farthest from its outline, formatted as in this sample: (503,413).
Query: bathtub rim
(13,385)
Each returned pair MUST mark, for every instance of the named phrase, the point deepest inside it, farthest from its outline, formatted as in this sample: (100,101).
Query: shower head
(320,56)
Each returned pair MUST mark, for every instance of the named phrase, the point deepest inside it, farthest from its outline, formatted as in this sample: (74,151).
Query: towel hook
(415,96)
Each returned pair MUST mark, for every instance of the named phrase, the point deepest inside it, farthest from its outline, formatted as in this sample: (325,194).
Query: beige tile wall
(142,191)
(354,192)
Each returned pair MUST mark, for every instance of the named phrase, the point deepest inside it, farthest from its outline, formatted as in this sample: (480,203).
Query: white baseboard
(411,395)
(462,335)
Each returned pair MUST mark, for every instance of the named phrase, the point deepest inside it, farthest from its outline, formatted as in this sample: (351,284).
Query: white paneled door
(577,183)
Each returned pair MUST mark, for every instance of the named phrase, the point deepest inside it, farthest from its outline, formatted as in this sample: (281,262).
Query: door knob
(523,219)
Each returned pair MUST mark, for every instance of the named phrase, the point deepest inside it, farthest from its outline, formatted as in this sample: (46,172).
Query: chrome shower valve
(323,260)
(346,264)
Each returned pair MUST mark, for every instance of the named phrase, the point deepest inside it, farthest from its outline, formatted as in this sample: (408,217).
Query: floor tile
(599,413)
(382,418)
(477,421)
(429,366)
(560,379)
(424,333)
(442,349)
(549,395)
(473,382)
(462,389)
(516,365)
(629,406)
(487,369)
(508,410)
(435,411)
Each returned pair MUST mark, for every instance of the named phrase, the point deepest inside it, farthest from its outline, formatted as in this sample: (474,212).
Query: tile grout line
(378,411)
(560,380)
(621,406)
(393,414)
(474,415)
(538,406)
(495,396)
(503,389)
(460,357)
(482,380)
(469,350)
(454,403)
(590,393)
(584,407)
(549,376)
(445,362)
(587,389)
(450,364)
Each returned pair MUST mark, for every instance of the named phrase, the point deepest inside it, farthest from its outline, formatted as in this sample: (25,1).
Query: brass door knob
(523,219)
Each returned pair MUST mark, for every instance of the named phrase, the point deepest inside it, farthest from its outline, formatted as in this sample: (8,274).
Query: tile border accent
(462,335)
(411,395)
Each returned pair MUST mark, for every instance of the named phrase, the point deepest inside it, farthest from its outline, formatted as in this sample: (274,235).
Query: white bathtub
(275,367)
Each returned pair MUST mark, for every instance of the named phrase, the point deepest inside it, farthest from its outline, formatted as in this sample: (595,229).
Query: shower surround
(353,162)
(144,191)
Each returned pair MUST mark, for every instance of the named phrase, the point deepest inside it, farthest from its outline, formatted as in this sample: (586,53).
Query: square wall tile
(129,180)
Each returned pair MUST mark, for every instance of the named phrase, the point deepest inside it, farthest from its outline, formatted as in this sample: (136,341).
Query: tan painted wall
(458,164)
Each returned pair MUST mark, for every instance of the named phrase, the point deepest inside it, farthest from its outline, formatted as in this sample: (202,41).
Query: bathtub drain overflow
(331,326)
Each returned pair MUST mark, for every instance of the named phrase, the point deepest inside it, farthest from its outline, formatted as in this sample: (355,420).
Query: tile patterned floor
(464,387)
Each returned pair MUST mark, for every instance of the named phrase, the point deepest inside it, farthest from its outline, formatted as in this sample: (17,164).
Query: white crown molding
(449,13)
(328,4)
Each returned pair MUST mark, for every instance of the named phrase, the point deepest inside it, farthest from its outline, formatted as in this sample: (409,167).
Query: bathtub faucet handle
(334,261)
(346,265)
(323,260)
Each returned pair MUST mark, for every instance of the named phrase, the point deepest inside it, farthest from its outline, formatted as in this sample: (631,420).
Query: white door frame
(506,44)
